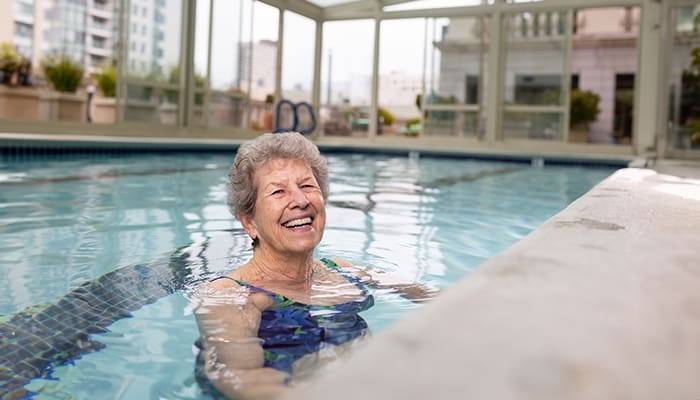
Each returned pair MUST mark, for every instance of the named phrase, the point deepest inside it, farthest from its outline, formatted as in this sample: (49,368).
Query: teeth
(298,222)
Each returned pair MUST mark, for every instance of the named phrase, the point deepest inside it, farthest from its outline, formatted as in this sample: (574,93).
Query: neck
(291,268)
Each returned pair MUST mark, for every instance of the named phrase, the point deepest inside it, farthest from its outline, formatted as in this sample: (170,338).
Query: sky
(350,43)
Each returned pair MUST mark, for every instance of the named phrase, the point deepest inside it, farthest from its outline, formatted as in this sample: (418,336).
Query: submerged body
(293,338)
(290,330)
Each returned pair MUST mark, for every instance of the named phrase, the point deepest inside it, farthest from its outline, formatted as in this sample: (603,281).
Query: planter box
(104,110)
(579,134)
(19,103)
(62,106)
(40,105)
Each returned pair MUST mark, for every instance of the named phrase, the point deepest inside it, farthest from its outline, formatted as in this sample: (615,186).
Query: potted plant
(64,75)
(107,81)
(583,110)
(9,64)
(103,107)
(17,100)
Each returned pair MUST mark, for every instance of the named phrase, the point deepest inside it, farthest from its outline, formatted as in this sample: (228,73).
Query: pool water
(115,227)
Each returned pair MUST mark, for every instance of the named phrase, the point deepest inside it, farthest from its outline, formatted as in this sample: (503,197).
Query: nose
(299,198)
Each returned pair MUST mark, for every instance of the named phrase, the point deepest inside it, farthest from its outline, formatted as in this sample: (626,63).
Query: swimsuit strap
(248,285)
(326,261)
(351,278)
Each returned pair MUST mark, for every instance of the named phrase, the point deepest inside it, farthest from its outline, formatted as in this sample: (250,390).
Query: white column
(374,109)
(494,83)
(648,80)
(316,87)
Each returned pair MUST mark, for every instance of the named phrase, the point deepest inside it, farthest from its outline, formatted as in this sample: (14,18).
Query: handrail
(295,117)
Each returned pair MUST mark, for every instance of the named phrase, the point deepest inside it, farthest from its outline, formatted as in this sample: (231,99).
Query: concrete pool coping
(601,301)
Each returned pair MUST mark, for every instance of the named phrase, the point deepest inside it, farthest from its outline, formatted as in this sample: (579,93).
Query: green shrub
(9,60)
(63,73)
(107,81)
(386,116)
(584,107)
(174,77)
(412,121)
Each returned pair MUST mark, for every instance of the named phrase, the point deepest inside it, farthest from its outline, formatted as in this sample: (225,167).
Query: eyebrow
(276,184)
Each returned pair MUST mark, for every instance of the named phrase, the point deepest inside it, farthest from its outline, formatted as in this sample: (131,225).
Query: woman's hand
(415,292)
(382,280)
(229,318)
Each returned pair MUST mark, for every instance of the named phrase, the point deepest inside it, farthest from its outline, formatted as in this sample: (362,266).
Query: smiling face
(290,213)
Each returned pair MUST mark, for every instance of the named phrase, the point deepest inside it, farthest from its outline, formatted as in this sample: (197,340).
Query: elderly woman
(283,306)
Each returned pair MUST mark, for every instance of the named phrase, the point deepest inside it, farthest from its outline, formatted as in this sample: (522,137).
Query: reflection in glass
(534,75)
(603,70)
(533,125)
(346,72)
(401,61)
(153,59)
(684,79)
(454,97)
(259,74)
(451,123)
(221,58)
(298,57)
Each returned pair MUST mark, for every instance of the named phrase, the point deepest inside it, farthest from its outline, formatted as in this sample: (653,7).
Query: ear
(248,226)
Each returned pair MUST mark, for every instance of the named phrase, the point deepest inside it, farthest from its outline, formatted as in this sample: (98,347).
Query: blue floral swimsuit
(290,330)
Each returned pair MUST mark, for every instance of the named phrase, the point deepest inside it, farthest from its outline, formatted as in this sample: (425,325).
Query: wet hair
(242,187)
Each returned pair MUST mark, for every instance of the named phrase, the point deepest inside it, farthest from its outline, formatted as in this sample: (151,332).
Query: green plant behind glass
(63,73)
(584,107)
(107,81)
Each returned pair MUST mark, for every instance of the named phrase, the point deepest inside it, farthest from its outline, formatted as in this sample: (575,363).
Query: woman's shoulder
(346,266)
(229,288)
(224,282)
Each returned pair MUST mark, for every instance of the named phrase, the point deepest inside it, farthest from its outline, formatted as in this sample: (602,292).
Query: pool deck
(602,301)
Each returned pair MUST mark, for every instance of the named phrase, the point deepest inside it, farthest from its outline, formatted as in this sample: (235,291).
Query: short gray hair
(253,155)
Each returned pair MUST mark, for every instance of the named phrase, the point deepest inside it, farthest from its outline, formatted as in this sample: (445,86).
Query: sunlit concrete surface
(601,302)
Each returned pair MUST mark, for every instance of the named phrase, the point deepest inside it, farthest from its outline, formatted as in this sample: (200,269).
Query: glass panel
(401,60)
(298,57)
(603,69)
(534,72)
(154,57)
(449,123)
(346,75)
(259,63)
(458,66)
(684,79)
(230,29)
(531,125)
(225,110)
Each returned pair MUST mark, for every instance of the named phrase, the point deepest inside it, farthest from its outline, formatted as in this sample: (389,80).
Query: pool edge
(610,312)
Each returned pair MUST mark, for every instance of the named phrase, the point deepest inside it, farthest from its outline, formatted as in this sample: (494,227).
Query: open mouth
(296,223)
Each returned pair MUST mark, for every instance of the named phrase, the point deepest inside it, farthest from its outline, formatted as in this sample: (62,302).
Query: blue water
(67,221)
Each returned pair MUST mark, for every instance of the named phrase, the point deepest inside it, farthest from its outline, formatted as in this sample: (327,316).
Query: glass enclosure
(481,71)
(454,97)
(346,77)
(535,77)
(152,84)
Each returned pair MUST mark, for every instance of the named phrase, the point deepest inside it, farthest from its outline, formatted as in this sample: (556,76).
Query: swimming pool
(97,253)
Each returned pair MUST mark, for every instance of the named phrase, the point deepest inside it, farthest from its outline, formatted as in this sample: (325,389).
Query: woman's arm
(383,280)
(228,320)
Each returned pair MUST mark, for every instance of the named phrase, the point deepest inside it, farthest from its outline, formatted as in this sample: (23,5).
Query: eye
(277,191)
